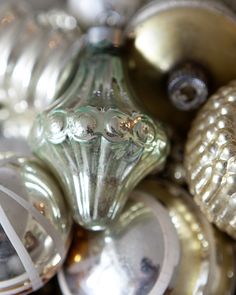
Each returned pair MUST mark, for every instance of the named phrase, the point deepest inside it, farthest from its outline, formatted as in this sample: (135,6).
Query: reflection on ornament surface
(137,254)
(35,226)
(97,140)
(210,159)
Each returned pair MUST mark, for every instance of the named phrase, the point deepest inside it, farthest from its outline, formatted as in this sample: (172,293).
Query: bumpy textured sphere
(34,225)
(210,159)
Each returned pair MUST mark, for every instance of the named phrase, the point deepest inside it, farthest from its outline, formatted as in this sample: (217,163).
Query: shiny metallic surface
(101,137)
(207,263)
(174,169)
(17,124)
(58,19)
(25,188)
(14,145)
(112,13)
(36,61)
(138,254)
(188,87)
(164,34)
(210,159)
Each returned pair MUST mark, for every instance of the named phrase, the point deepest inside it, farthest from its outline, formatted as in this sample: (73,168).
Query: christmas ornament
(210,159)
(121,259)
(210,251)
(16,125)
(174,168)
(14,145)
(96,138)
(32,250)
(179,34)
(58,19)
(45,55)
(118,261)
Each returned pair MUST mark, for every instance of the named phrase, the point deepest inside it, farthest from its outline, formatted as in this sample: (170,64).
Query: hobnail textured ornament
(36,61)
(139,254)
(34,225)
(97,140)
(210,159)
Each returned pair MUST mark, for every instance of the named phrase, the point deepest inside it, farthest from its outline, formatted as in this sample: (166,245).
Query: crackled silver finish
(210,159)
(34,225)
(98,141)
(36,61)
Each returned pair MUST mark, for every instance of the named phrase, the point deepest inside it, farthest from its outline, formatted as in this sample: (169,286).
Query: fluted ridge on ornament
(36,60)
(210,159)
(98,142)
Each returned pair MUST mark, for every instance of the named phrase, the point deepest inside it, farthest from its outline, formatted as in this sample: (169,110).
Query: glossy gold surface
(207,262)
(166,33)
(210,159)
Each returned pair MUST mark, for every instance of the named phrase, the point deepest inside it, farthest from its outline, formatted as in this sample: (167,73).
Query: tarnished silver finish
(139,254)
(98,140)
(36,61)
(35,225)
(210,159)
(188,86)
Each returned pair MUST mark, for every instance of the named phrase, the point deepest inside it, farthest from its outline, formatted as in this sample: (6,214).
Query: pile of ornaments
(118,147)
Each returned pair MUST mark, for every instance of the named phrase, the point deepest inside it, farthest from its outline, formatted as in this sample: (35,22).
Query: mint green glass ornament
(96,138)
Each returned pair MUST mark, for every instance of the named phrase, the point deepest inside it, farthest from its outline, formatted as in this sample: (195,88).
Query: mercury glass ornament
(34,225)
(96,138)
(129,258)
(166,34)
(207,262)
(36,61)
(118,261)
(210,159)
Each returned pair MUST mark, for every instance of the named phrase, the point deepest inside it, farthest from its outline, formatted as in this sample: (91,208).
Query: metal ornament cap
(98,141)
(210,159)
(138,254)
(34,225)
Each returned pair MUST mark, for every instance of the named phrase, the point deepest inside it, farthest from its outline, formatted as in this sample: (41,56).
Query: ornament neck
(100,80)
(103,37)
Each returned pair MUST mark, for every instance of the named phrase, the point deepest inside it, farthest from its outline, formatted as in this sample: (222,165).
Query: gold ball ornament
(207,264)
(165,34)
(210,159)
(34,225)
